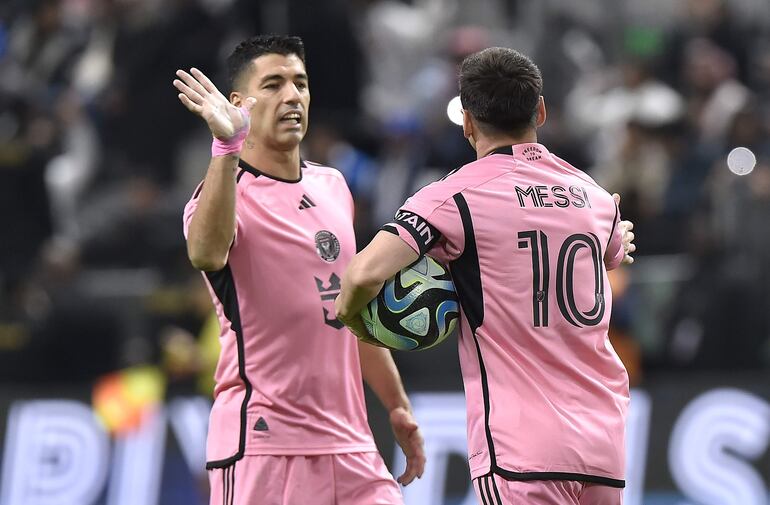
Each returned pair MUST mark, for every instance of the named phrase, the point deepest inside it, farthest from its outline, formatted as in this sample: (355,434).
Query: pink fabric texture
(494,490)
(340,479)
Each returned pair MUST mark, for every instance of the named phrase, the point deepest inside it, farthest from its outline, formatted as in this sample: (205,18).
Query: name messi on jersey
(548,196)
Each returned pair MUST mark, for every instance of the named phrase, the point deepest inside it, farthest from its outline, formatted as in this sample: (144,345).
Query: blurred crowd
(97,157)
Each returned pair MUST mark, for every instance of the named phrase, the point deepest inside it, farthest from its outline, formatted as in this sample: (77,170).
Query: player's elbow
(207,264)
(206,261)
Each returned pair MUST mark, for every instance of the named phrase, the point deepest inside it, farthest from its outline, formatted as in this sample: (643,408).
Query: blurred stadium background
(97,158)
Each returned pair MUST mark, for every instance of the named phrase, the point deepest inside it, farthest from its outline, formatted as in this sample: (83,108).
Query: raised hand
(410,440)
(628,236)
(200,96)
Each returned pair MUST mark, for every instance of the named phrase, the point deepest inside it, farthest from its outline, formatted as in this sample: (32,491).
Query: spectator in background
(718,22)
(52,327)
(328,146)
(151,41)
(397,39)
(603,104)
(632,113)
(328,28)
(40,51)
(714,95)
(727,294)
(27,143)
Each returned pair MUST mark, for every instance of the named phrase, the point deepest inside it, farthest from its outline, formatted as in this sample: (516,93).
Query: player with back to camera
(271,234)
(528,239)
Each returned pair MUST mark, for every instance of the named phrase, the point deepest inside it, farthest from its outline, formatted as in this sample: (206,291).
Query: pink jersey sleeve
(189,210)
(192,206)
(430,224)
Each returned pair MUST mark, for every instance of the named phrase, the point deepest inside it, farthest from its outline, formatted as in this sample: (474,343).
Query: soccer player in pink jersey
(271,234)
(528,239)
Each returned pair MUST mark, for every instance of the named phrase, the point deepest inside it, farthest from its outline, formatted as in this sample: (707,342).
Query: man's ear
(541,113)
(468,128)
(236,98)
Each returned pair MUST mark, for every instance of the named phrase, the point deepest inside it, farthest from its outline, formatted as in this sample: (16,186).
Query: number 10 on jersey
(567,264)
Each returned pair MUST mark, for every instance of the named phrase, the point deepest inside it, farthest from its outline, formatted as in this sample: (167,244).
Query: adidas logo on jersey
(306,203)
(261,425)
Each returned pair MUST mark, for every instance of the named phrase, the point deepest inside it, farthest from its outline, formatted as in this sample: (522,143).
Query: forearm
(367,273)
(212,227)
(380,373)
(356,291)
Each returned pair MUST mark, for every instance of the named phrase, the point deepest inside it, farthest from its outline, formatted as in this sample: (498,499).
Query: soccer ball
(416,309)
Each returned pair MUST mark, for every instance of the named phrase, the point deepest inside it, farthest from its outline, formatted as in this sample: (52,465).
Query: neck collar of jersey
(530,151)
(256,172)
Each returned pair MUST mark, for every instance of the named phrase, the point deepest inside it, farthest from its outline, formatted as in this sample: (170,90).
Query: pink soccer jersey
(528,239)
(288,380)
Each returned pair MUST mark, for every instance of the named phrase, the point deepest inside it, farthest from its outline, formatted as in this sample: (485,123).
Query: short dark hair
(501,87)
(242,56)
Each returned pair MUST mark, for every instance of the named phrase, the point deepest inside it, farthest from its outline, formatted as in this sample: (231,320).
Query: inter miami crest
(327,245)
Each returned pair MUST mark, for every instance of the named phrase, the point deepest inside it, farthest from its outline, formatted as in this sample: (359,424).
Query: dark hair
(242,56)
(501,87)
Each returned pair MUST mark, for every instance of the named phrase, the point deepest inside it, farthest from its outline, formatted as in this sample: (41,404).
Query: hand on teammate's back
(410,440)
(200,96)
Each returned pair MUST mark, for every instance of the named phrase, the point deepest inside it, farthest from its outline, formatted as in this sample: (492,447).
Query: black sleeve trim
(612,231)
(389,228)
(424,234)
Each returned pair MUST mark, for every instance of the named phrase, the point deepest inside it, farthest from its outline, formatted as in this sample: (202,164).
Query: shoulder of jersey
(578,173)
(311,167)
(443,188)
(461,177)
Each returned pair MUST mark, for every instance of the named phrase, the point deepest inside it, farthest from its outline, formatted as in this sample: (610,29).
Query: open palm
(200,96)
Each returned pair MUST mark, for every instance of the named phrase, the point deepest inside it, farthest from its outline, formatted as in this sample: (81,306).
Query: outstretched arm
(212,227)
(380,372)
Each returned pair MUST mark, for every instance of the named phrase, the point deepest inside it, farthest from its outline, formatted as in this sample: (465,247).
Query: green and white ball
(416,309)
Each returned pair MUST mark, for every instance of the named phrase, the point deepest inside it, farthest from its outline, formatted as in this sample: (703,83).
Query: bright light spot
(455,111)
(741,161)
